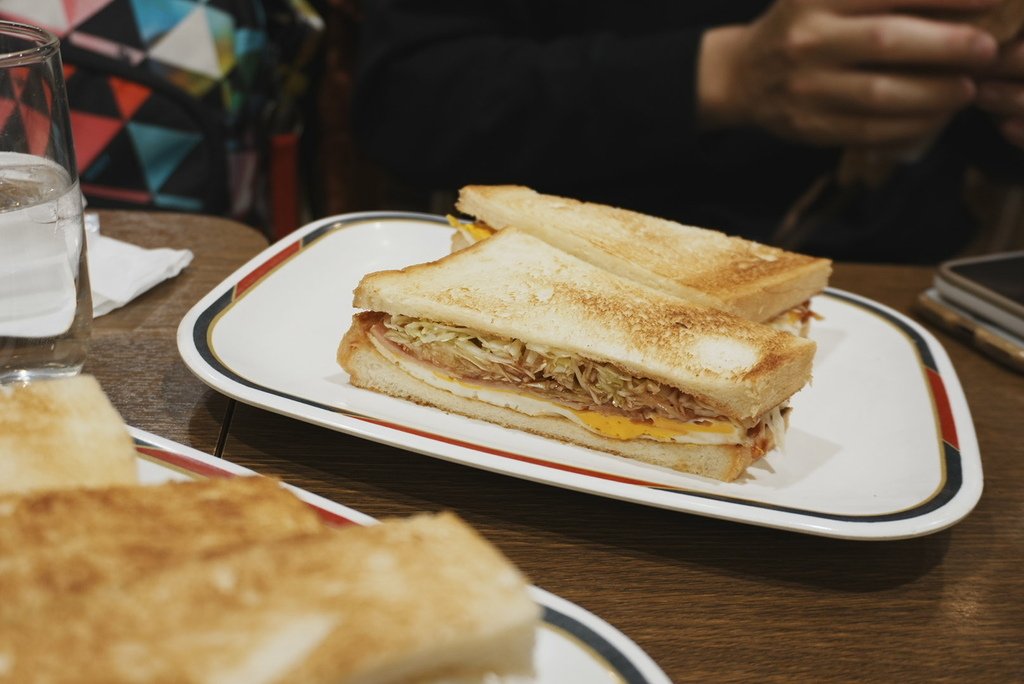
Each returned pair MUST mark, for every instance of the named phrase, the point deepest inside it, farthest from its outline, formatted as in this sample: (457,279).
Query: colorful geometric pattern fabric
(165,98)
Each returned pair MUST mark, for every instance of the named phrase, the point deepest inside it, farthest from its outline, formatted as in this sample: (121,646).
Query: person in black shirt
(714,114)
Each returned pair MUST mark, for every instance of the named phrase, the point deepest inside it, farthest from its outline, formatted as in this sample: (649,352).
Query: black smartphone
(991,287)
(982,299)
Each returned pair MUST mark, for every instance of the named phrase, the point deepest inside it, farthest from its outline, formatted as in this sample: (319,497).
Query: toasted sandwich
(745,278)
(422,599)
(518,333)
(62,433)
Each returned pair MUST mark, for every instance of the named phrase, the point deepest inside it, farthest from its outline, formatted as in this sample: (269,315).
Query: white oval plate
(572,644)
(880,446)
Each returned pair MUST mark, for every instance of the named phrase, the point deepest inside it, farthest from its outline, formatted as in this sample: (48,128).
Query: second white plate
(572,644)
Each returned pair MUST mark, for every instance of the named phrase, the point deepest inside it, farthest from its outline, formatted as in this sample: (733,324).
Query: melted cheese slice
(471,231)
(662,429)
(702,431)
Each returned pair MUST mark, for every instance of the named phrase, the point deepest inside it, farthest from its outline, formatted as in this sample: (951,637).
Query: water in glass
(45,303)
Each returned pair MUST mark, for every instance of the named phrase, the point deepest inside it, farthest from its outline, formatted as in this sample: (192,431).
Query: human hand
(1001,92)
(844,72)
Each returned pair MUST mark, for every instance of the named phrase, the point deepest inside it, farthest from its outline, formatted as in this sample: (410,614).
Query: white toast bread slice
(62,433)
(402,601)
(71,541)
(518,286)
(704,266)
(367,368)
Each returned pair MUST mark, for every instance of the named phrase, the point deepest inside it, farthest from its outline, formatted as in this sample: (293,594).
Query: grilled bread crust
(704,266)
(368,369)
(62,433)
(395,602)
(73,541)
(518,286)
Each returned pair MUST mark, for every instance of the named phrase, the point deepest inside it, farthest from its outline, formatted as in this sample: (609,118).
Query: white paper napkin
(120,272)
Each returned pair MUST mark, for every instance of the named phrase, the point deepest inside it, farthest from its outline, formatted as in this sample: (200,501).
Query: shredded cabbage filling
(566,378)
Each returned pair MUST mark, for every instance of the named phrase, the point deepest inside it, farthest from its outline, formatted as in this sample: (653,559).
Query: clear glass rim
(46,44)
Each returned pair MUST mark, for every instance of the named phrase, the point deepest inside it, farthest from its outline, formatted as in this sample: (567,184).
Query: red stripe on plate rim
(266,267)
(947,423)
(507,454)
(204,469)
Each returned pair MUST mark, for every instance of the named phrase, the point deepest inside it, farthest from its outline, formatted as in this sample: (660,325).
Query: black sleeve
(979,141)
(453,91)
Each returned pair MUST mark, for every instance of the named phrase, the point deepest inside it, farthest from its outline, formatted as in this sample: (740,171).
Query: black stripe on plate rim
(615,658)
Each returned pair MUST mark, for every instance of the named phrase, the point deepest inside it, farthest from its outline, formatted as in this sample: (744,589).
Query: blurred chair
(343,179)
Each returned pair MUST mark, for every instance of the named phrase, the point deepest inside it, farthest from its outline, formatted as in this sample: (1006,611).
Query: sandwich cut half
(749,279)
(518,333)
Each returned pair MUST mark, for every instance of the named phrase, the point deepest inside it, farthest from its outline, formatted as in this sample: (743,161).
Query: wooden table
(708,600)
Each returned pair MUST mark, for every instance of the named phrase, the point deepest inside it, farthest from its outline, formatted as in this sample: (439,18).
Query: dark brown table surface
(708,600)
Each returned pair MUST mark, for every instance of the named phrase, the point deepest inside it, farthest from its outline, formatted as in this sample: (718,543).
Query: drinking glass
(45,301)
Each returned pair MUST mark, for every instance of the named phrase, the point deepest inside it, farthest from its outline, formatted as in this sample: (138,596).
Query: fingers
(1005,98)
(919,6)
(901,41)
(860,72)
(1010,64)
(1001,88)
(851,130)
(862,92)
